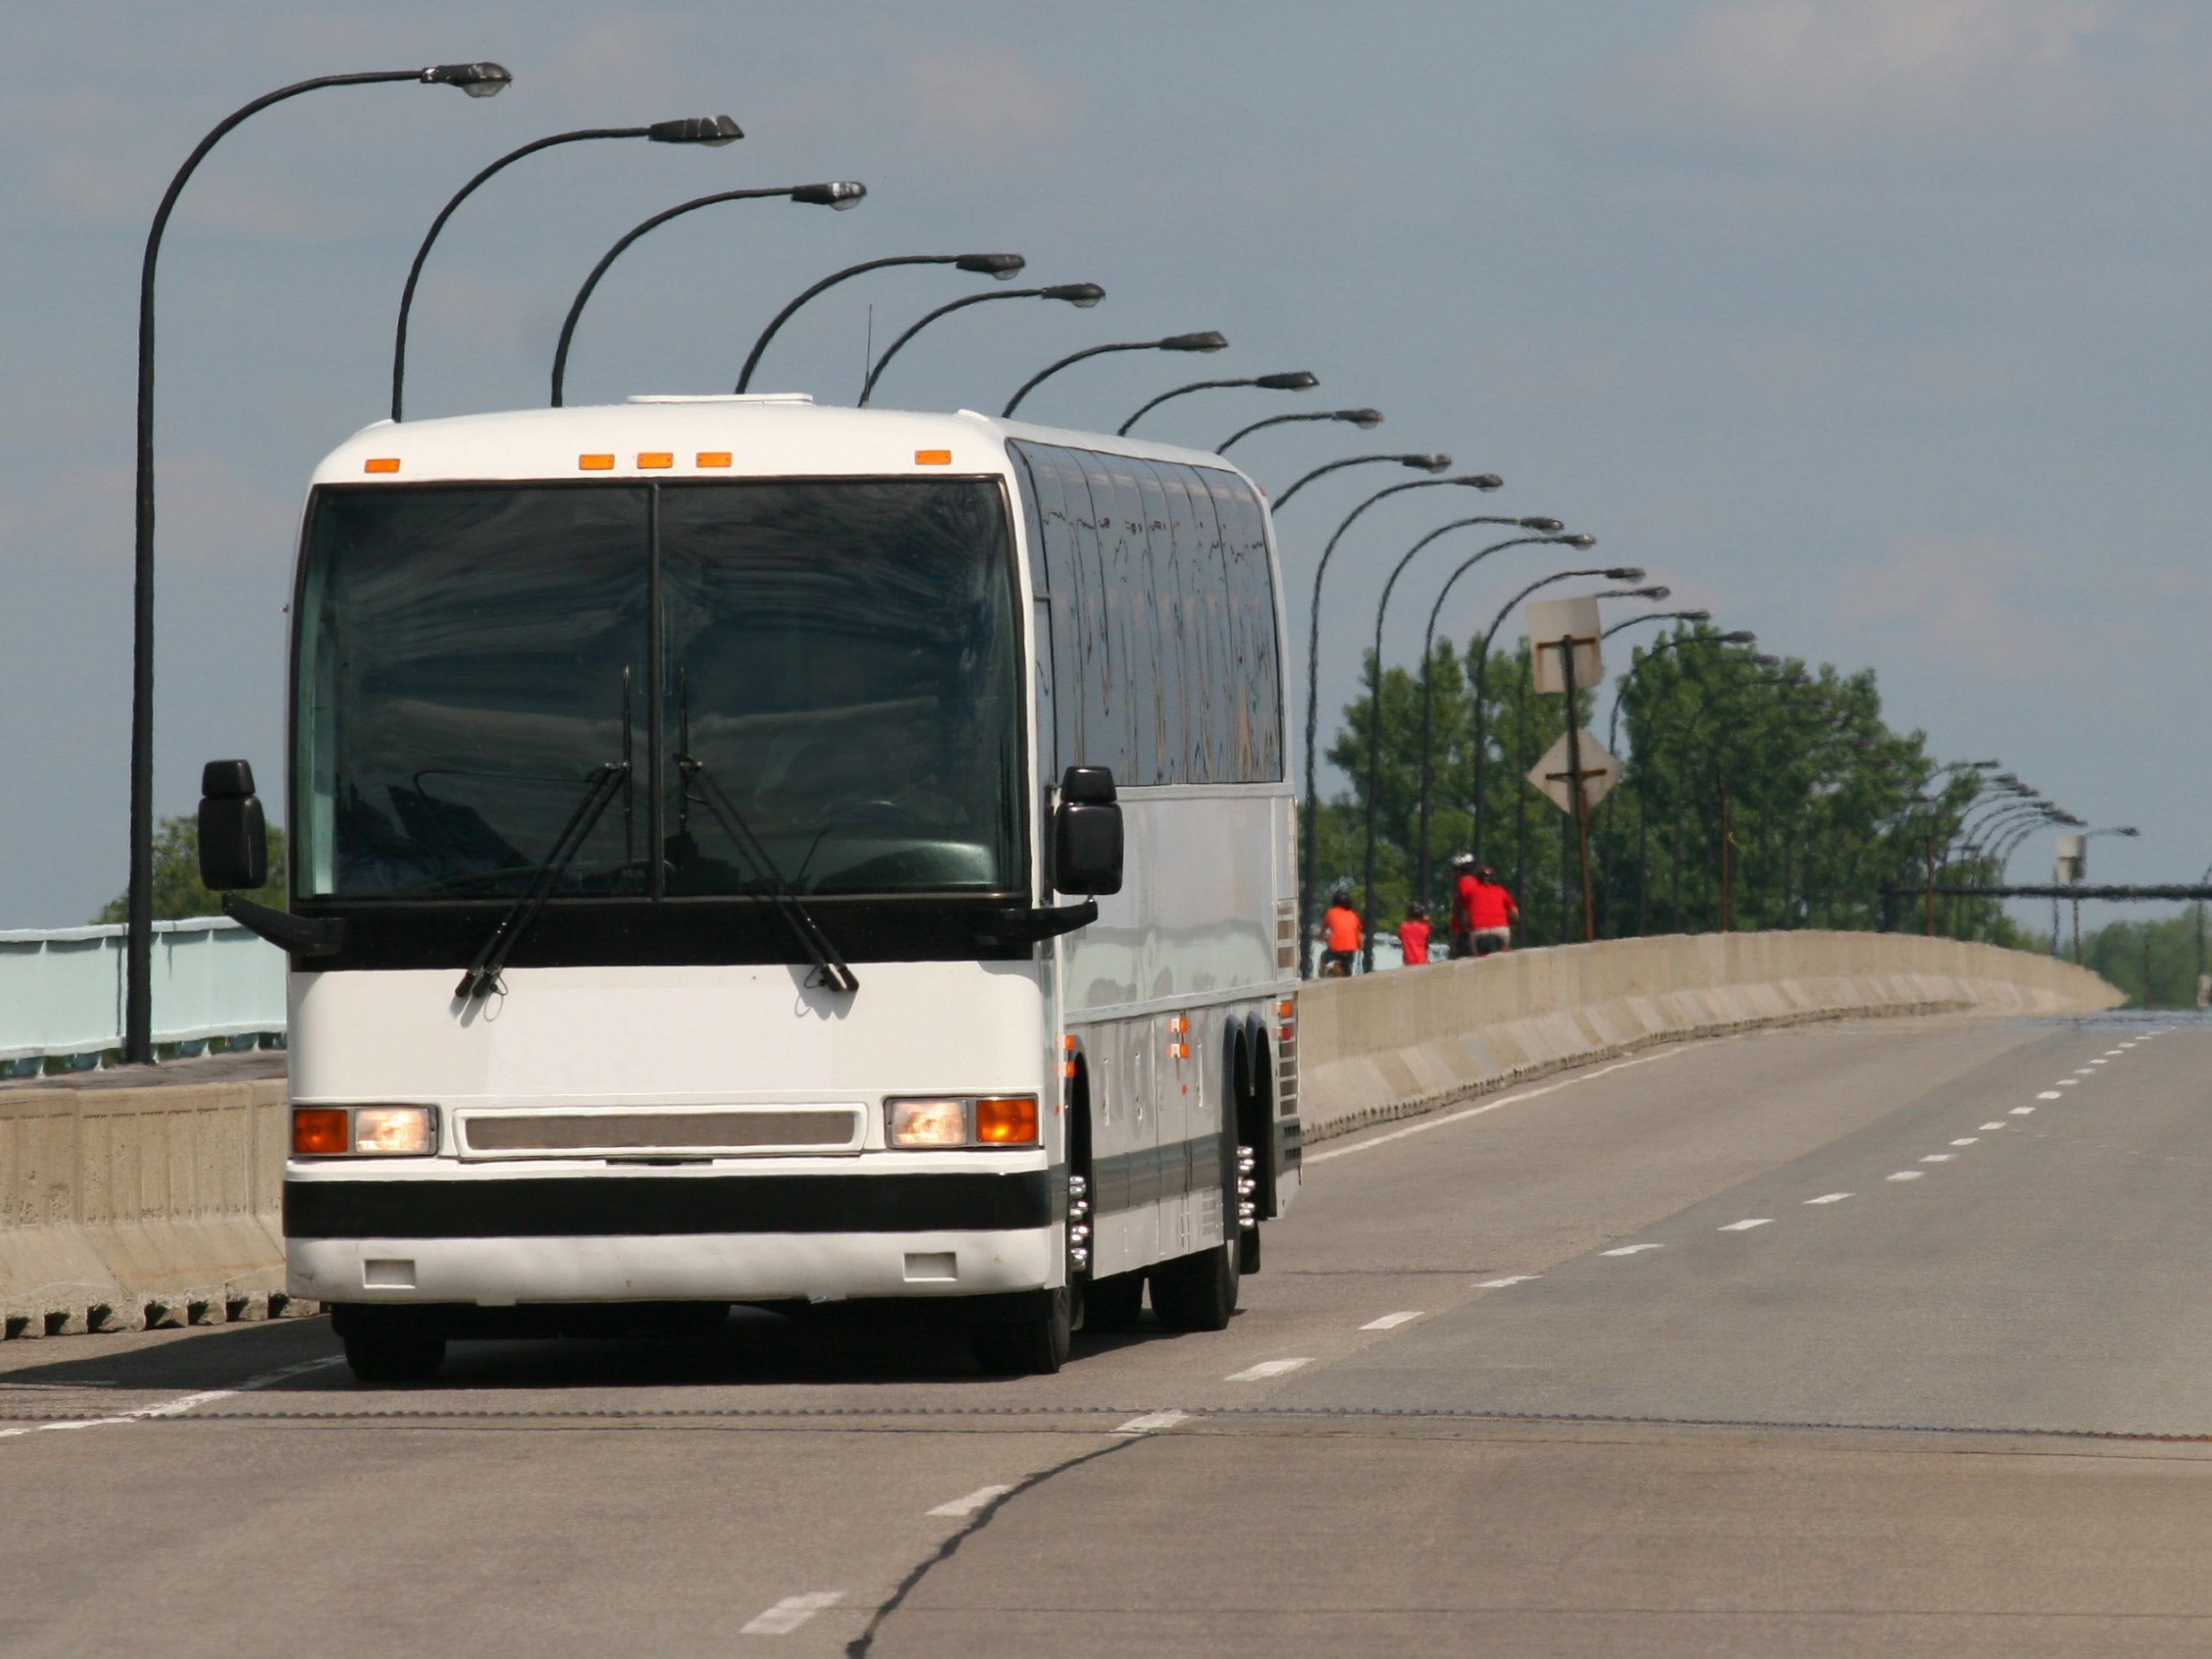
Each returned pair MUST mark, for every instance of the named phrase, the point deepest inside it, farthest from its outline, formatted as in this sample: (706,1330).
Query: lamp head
(1766,662)
(1366,420)
(1297,380)
(1695,616)
(712,130)
(1657,591)
(1741,636)
(2130,830)
(1426,463)
(838,196)
(1549,526)
(1624,573)
(1005,267)
(1479,481)
(477,79)
(1208,341)
(1082,296)
(1580,539)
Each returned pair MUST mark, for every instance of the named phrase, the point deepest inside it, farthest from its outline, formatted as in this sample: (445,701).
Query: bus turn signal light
(1008,1121)
(322,1131)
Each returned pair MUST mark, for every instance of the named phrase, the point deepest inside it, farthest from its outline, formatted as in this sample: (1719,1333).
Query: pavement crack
(860,1646)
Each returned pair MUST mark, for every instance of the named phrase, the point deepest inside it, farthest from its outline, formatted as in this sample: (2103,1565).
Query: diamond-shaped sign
(1601,772)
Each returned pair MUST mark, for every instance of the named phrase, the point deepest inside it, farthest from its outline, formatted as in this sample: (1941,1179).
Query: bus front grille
(633,1131)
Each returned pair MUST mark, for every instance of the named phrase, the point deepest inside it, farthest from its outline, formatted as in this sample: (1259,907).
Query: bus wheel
(384,1355)
(1033,1342)
(1113,1303)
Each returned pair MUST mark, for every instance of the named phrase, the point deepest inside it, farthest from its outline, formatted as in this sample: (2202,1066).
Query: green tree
(2120,951)
(176,890)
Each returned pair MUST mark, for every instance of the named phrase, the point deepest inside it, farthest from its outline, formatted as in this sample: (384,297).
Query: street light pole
(1429,462)
(1001,267)
(838,197)
(1294,380)
(478,81)
(1366,420)
(715,131)
(1082,296)
(1548,528)
(1309,851)
(1208,341)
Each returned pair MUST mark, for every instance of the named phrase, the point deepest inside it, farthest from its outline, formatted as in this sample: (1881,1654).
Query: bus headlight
(364,1131)
(962,1120)
(927,1123)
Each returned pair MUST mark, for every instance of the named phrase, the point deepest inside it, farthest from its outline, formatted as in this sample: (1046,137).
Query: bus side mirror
(1087,833)
(234,838)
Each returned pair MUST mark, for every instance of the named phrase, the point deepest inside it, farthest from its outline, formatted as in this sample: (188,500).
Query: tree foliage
(1776,797)
(176,890)
(2173,950)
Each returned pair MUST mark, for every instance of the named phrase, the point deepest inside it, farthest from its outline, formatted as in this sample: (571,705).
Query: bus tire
(1033,1342)
(381,1354)
(1114,1303)
(1197,1292)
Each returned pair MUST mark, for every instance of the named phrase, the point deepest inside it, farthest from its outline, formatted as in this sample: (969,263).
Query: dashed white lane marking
(183,1403)
(1748,1223)
(2050,1094)
(1391,1321)
(1908,1175)
(1266,1369)
(2086,1072)
(2110,1052)
(2022,1111)
(974,1501)
(1938,1158)
(1499,1284)
(2067,1082)
(1426,1124)
(1967,1140)
(1629,1249)
(1829,1198)
(1998,1125)
(1151,1422)
(788,1614)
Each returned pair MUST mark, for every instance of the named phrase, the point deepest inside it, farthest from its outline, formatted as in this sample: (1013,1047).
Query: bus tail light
(953,1121)
(364,1131)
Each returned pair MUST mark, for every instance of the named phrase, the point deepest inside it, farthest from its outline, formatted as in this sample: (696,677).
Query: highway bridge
(1857,1336)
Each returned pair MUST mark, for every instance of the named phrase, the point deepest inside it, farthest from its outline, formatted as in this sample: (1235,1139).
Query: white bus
(708,886)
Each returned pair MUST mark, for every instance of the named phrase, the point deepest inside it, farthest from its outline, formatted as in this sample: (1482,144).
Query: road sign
(1551,620)
(1554,772)
(2073,859)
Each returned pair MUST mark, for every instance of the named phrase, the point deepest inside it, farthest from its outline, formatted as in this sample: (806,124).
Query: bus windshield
(813,680)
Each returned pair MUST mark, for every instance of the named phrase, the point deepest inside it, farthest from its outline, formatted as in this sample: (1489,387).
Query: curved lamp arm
(1001,266)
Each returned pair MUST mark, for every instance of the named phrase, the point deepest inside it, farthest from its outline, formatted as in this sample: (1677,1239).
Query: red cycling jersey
(1489,905)
(1413,942)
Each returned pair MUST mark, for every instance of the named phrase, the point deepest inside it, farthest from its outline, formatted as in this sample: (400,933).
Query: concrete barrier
(1393,1045)
(123,1206)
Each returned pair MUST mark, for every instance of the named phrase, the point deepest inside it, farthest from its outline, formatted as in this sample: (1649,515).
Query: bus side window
(1252,598)
(1217,685)
(1174,682)
(1124,559)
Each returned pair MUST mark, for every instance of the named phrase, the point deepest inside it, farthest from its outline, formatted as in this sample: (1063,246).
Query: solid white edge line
(1391,1321)
(1152,1421)
(1426,1124)
(975,1500)
(183,1403)
(788,1614)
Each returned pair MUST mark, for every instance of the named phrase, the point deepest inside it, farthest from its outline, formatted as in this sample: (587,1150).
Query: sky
(1878,326)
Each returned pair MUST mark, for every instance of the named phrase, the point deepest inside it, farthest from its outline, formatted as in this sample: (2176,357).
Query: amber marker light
(381,463)
(595,463)
(1007,1121)
(933,457)
(654,460)
(321,1132)
(711,457)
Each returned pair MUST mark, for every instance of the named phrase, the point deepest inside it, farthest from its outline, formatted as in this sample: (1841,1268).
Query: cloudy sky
(1877,326)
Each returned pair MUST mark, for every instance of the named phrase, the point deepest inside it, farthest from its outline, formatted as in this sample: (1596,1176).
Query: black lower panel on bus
(600,1206)
(464,1321)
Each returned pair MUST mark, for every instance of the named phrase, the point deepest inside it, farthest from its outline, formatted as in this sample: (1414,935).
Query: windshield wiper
(830,969)
(483,977)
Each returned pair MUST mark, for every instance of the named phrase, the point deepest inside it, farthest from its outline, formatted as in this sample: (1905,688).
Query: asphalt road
(1884,1338)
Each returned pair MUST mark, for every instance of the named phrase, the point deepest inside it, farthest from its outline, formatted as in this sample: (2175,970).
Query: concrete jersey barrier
(123,1206)
(1393,1045)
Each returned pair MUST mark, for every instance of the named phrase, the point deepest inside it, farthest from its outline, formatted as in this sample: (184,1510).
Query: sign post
(1566,634)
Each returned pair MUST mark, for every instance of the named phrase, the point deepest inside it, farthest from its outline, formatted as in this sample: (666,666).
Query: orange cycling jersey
(1341,926)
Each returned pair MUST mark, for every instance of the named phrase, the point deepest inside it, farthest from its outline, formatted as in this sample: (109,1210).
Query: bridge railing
(61,989)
